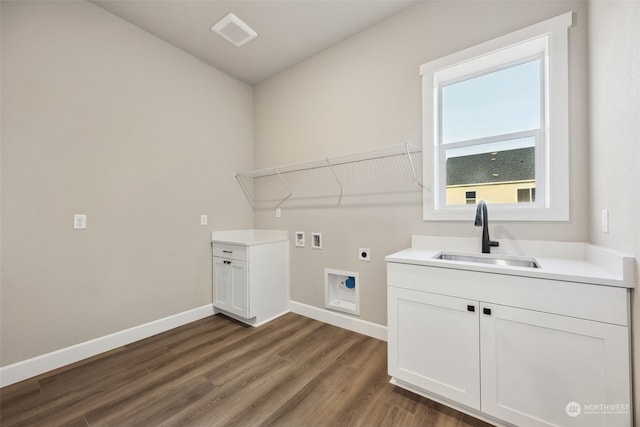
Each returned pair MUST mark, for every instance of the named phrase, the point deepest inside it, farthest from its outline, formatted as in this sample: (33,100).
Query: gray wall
(101,118)
(365,93)
(614,66)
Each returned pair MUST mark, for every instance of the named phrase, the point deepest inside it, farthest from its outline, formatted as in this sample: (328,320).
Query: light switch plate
(79,221)
(204,220)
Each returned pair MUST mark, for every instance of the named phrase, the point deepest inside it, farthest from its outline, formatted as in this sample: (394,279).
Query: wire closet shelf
(390,170)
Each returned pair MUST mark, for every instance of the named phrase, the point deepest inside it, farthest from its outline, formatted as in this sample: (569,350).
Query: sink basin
(489,259)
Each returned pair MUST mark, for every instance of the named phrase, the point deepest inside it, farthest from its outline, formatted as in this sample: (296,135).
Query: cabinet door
(231,286)
(433,344)
(239,301)
(540,369)
(221,282)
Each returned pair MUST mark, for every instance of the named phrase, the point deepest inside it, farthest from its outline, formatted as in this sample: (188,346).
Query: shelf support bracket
(284,182)
(335,176)
(413,169)
(247,194)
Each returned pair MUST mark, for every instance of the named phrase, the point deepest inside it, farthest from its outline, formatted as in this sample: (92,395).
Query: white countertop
(567,261)
(249,237)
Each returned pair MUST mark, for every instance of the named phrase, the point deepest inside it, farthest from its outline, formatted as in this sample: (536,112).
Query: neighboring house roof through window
(502,166)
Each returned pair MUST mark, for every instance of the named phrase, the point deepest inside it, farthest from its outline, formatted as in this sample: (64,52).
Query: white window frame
(549,39)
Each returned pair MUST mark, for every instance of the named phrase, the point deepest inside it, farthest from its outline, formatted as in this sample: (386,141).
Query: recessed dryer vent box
(342,291)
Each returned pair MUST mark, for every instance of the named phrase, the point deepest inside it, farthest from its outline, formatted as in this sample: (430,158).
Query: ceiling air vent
(234,30)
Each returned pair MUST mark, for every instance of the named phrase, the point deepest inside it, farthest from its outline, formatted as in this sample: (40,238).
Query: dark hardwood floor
(293,371)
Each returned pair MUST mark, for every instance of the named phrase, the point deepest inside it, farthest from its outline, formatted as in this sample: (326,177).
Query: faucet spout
(482,220)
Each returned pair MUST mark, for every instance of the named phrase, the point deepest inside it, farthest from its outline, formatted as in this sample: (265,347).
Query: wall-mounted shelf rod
(398,150)
(333,161)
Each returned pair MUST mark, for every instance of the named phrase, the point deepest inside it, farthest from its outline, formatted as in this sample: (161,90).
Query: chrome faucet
(482,220)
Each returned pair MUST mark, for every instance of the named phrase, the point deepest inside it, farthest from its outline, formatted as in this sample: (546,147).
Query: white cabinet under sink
(511,350)
(251,274)
(534,364)
(443,359)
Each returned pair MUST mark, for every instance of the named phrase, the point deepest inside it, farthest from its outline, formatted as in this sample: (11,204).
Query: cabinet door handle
(487,311)
(227,252)
(471,307)
(227,262)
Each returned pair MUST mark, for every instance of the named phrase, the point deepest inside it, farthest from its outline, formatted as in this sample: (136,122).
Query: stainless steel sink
(494,260)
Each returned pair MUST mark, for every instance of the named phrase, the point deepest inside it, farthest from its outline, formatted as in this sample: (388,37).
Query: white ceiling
(289,31)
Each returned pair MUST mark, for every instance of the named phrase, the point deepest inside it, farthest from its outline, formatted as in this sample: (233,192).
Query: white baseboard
(29,368)
(251,322)
(343,321)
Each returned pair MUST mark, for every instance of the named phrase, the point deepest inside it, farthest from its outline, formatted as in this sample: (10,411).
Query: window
(470,197)
(496,123)
(526,195)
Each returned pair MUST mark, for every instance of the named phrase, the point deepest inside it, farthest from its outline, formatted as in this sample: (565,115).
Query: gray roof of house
(509,165)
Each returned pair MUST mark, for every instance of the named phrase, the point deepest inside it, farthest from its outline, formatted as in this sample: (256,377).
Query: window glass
(500,102)
(480,116)
(494,171)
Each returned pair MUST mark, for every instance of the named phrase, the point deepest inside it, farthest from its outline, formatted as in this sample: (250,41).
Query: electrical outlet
(364,254)
(204,220)
(605,220)
(79,221)
(278,213)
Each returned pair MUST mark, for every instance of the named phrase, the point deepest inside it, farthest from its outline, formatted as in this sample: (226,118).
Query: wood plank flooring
(293,371)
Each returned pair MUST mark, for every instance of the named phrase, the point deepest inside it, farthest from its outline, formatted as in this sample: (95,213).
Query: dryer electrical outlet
(316,240)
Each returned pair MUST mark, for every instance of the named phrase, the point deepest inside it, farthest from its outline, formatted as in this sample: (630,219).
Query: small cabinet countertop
(567,261)
(249,237)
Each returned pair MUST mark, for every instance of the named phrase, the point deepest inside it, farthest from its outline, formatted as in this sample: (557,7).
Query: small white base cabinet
(251,274)
(511,350)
